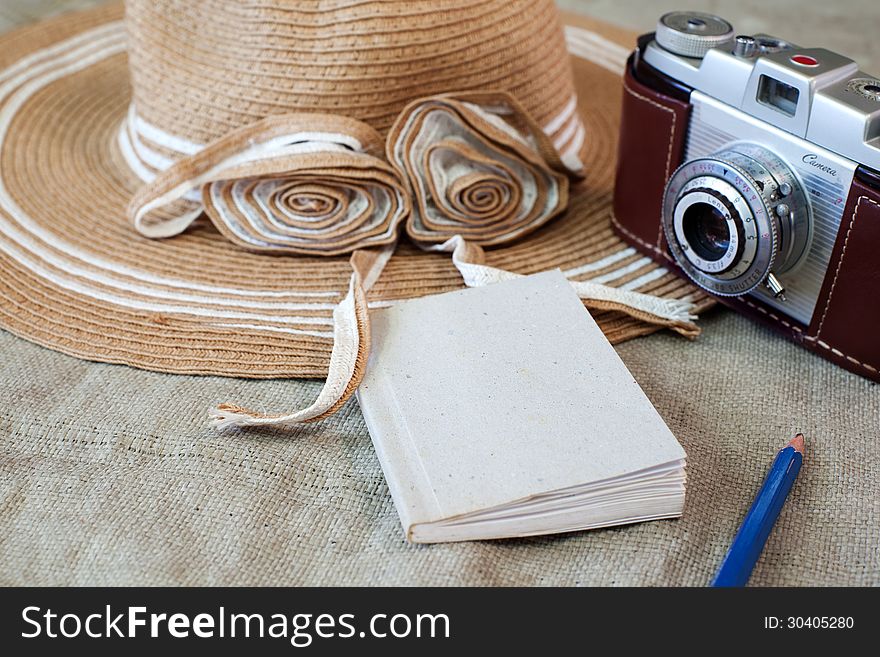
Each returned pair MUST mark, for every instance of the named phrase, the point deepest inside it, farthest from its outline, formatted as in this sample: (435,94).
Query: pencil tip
(798,443)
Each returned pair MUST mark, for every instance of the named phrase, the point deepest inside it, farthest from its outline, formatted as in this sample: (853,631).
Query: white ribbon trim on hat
(303,183)
(293,144)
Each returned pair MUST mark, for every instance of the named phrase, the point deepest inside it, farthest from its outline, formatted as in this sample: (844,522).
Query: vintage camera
(750,165)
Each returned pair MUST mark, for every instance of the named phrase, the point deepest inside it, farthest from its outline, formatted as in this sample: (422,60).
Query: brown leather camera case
(845,327)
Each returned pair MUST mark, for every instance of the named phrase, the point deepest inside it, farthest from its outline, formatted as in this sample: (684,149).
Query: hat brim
(76,277)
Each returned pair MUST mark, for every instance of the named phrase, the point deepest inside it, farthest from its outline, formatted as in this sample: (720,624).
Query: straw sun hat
(226,187)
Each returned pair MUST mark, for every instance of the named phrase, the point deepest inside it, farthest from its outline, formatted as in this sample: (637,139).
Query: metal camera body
(748,151)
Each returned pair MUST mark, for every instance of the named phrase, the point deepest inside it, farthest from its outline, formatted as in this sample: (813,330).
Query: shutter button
(804,60)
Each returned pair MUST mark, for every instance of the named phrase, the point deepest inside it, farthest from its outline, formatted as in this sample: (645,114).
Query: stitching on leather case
(838,352)
(773,316)
(821,343)
(668,149)
(852,223)
(638,239)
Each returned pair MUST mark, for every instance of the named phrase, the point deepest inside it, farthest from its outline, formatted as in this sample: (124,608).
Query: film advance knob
(692,33)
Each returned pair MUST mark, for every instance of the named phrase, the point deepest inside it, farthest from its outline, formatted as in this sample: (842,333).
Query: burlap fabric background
(109,475)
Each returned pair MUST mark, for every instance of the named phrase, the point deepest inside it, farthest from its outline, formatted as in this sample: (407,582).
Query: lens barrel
(735,216)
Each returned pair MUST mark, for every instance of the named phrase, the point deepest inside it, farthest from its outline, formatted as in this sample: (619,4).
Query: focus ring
(731,209)
(757,181)
(760,238)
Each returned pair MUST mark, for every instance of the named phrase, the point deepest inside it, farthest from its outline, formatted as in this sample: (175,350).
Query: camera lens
(725,224)
(706,231)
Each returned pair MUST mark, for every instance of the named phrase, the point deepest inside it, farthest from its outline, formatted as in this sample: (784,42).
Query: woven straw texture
(99,488)
(76,277)
(202,69)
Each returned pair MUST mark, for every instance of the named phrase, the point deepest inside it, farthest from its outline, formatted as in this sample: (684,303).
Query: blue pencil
(749,540)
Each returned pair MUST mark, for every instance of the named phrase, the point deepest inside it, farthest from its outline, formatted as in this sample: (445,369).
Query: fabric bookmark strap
(351,327)
(348,358)
(675,314)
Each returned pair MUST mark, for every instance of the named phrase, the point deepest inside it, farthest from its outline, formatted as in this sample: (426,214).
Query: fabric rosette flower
(478,166)
(309,184)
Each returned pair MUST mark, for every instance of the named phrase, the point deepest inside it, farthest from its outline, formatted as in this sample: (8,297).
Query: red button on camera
(805,60)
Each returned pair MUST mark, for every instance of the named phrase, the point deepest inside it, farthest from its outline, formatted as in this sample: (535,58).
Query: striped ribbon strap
(348,358)
(675,314)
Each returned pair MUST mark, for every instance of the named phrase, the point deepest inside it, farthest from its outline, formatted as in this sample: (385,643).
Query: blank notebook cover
(504,411)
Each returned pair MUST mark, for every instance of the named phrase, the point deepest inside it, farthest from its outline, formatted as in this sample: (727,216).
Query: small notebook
(503,411)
